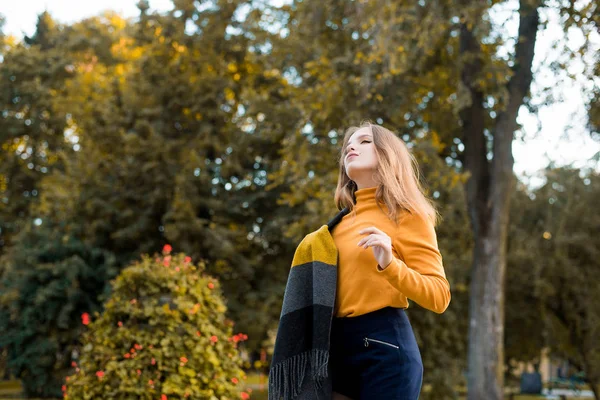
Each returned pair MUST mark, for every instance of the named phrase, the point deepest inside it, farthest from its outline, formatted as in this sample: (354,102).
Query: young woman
(388,253)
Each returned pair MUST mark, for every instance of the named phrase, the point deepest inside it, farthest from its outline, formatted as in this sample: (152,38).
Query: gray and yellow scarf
(299,369)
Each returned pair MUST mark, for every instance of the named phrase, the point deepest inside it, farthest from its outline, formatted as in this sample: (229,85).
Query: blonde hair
(397,177)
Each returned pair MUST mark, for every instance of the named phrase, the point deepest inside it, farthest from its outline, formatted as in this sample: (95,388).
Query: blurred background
(215,127)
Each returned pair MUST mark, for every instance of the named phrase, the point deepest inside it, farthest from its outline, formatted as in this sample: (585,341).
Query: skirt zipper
(379,341)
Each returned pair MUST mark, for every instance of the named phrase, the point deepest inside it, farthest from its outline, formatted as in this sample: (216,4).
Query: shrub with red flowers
(163,335)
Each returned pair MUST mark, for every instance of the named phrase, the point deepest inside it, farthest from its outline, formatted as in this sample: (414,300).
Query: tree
(46,282)
(489,191)
(525,337)
(552,285)
(163,156)
(569,289)
(32,128)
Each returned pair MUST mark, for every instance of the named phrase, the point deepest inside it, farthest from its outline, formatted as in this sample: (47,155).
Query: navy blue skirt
(375,356)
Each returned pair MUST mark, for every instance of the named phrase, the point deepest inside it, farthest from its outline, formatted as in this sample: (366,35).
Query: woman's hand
(381,243)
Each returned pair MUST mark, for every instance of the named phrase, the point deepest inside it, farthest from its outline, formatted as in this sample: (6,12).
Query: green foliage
(46,282)
(524,338)
(31,128)
(553,292)
(570,289)
(162,332)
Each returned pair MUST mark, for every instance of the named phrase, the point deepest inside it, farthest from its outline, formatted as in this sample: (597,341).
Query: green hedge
(163,335)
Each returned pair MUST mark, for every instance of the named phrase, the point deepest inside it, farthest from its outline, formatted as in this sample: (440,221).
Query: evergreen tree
(46,282)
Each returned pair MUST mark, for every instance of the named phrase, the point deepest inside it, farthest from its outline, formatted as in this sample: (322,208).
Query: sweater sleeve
(420,277)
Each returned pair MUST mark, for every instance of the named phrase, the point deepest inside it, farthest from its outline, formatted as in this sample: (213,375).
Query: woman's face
(360,167)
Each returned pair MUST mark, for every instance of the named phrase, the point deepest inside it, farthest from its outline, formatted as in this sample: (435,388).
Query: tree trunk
(488,192)
(595,390)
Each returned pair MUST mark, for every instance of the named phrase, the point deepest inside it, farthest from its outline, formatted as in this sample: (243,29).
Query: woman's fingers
(371,229)
(364,240)
(373,242)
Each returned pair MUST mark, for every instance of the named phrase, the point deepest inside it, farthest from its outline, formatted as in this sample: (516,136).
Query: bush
(163,334)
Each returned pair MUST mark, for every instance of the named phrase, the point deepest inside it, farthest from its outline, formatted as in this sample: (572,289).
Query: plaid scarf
(299,369)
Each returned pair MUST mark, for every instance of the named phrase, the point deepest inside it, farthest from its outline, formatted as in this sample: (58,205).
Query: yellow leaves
(459,179)
(360,55)
(251,68)
(231,67)
(3,183)
(12,146)
(117,48)
(10,41)
(119,69)
(137,53)
(273,73)
(126,51)
(158,31)
(400,49)
(324,61)
(198,117)
(229,94)
(395,71)
(437,142)
(118,22)
(374,58)
(179,47)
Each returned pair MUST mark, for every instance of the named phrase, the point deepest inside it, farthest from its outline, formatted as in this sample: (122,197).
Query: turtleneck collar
(365,196)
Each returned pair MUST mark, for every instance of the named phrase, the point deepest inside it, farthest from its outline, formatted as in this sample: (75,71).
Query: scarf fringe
(286,378)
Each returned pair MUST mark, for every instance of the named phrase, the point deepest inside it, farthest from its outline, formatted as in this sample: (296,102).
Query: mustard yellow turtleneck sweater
(416,271)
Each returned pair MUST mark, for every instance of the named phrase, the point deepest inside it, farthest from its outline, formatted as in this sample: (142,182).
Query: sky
(556,134)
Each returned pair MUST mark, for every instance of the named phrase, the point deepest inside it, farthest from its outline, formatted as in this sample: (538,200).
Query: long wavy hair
(397,176)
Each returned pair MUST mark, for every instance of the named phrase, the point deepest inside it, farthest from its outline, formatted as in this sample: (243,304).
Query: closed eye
(363,141)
